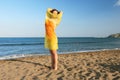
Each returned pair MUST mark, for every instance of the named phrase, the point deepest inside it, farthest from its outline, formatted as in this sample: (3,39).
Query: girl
(53,18)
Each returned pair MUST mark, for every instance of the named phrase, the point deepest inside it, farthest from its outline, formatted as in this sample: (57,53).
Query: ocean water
(20,47)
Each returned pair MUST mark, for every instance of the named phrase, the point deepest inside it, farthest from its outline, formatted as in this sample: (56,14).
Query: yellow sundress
(51,22)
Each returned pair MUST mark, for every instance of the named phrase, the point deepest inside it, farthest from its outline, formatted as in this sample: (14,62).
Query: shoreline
(99,65)
(15,56)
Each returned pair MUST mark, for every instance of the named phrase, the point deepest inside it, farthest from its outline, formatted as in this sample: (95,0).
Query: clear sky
(81,18)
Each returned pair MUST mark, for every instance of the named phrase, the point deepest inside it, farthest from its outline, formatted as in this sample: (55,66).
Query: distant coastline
(117,35)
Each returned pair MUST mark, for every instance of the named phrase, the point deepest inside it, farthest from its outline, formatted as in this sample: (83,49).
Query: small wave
(88,51)
(19,56)
(20,44)
(75,42)
(29,55)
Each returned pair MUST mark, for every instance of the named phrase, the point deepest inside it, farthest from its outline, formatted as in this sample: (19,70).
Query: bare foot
(54,68)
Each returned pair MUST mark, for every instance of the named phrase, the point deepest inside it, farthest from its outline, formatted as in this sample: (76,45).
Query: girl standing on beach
(53,18)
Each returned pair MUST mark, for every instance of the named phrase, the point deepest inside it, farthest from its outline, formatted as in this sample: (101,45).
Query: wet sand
(99,65)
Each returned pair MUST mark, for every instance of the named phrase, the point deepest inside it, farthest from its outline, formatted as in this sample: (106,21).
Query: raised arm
(48,13)
(59,17)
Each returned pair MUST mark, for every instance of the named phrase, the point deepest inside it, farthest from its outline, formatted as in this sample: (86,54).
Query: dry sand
(99,65)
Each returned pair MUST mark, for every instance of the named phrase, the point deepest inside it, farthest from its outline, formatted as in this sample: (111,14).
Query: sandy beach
(99,65)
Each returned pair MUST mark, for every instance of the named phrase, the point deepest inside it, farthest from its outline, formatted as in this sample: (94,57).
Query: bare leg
(54,59)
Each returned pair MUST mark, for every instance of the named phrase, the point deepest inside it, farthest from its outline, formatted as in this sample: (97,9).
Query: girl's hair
(55,10)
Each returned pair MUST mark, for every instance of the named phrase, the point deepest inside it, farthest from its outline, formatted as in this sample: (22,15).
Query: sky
(81,18)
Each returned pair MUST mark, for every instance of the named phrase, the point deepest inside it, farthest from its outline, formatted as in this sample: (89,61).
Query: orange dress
(51,22)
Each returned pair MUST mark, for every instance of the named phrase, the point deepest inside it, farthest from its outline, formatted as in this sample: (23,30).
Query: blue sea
(21,47)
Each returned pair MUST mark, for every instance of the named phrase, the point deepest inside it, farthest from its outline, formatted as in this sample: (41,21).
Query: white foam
(18,56)
(89,51)
(28,55)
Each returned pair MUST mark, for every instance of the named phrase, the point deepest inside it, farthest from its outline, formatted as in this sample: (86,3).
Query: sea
(21,47)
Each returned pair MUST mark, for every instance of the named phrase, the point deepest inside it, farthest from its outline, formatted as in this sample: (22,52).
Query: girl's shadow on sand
(29,62)
(111,67)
